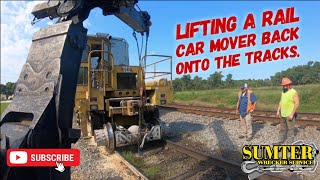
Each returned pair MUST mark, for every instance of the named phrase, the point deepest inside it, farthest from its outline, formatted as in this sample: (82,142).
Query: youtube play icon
(18,157)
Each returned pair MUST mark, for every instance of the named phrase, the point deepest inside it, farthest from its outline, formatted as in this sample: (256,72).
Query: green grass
(129,156)
(150,172)
(268,97)
(3,106)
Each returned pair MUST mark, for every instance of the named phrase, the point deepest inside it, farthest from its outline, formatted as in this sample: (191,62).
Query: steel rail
(218,161)
(233,116)
(303,114)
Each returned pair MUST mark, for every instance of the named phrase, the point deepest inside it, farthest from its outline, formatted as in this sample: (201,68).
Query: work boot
(241,137)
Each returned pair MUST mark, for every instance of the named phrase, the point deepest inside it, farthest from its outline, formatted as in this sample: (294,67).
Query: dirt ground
(97,163)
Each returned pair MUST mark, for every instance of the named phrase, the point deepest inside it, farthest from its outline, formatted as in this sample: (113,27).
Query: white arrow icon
(60,167)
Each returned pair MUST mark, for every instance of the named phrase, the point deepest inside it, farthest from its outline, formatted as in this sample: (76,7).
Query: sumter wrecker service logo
(297,157)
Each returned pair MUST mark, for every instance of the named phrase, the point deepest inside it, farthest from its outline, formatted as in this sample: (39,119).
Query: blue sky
(165,15)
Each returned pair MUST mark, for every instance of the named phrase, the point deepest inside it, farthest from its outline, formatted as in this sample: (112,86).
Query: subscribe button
(43,157)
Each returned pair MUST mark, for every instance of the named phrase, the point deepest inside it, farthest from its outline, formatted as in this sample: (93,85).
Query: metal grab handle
(89,68)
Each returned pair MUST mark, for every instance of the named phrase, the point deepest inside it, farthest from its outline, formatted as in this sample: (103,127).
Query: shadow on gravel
(226,148)
(177,129)
(164,111)
(256,127)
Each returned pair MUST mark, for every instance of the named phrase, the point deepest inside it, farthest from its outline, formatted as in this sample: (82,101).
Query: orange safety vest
(250,105)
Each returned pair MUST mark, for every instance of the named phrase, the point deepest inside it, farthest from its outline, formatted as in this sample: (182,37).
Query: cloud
(16,35)
(86,23)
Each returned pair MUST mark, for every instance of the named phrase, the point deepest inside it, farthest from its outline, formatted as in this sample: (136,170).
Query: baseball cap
(244,85)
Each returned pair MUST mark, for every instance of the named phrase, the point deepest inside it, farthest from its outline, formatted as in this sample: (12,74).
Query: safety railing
(154,64)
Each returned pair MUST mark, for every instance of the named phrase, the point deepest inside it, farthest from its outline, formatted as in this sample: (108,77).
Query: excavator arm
(80,10)
(41,113)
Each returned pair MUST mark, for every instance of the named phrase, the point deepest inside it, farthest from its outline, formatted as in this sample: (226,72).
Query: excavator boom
(124,10)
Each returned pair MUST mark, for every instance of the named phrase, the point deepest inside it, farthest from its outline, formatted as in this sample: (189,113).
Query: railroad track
(304,119)
(215,161)
(205,163)
(131,167)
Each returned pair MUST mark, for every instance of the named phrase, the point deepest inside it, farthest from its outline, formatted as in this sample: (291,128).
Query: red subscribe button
(43,157)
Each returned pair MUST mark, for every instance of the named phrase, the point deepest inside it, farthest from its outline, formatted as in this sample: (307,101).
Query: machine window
(96,56)
(95,62)
(85,54)
(105,54)
(83,76)
(126,81)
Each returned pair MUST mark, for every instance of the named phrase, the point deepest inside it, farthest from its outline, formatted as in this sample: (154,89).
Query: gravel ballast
(219,137)
(98,164)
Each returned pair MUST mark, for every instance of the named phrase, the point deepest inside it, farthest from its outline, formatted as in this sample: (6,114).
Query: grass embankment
(3,106)
(268,97)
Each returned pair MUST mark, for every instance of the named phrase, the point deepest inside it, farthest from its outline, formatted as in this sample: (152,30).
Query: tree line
(300,75)
(8,88)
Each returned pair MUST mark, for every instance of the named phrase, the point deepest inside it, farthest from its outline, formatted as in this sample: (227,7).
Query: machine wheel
(105,137)
(113,125)
(111,140)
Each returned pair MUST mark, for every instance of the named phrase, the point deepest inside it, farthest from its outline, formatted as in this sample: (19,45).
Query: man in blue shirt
(245,106)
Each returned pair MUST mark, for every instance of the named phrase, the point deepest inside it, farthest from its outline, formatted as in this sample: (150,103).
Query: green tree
(197,83)
(10,87)
(229,81)
(215,79)
(186,82)
(309,78)
(303,74)
(177,84)
(3,89)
